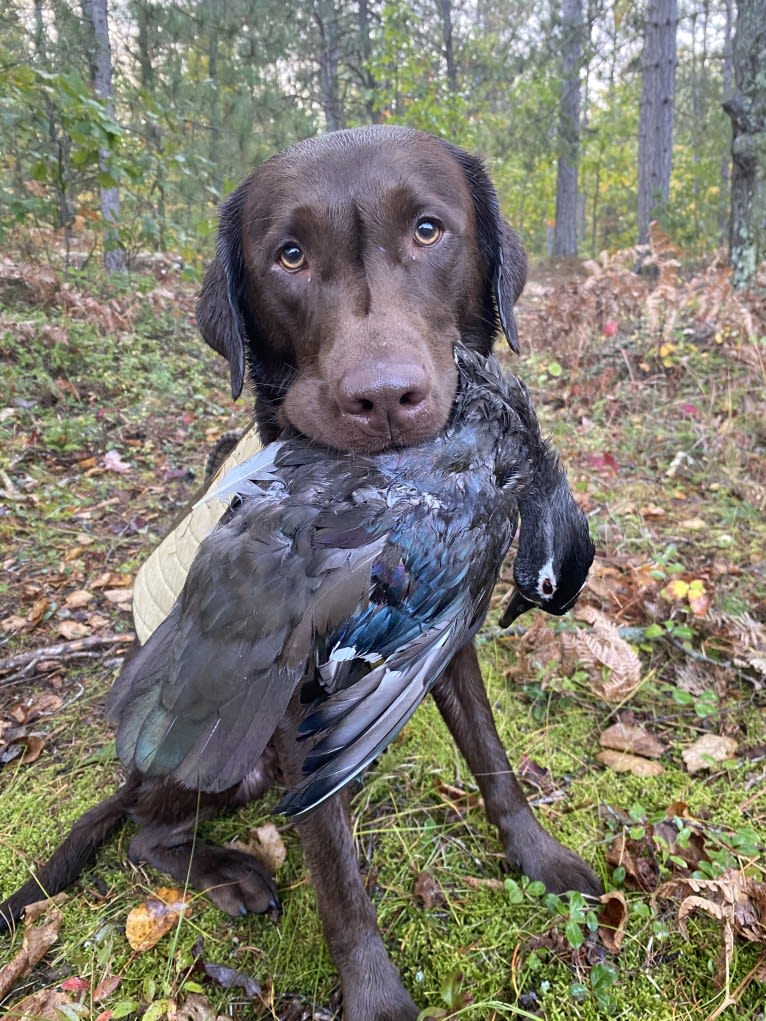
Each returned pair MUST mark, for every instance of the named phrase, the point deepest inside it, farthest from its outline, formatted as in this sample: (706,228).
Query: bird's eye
(291,257)
(547,587)
(428,232)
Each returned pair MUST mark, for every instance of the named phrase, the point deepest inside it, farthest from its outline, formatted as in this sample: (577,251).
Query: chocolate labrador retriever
(347,268)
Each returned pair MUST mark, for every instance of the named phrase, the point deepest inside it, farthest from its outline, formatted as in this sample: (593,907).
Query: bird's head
(555,548)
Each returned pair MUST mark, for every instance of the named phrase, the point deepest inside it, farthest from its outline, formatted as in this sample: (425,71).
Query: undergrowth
(665,450)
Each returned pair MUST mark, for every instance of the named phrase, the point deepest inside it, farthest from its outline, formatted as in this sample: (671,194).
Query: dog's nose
(386,399)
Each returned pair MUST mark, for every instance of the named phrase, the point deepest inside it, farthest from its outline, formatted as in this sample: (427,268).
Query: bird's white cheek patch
(546,581)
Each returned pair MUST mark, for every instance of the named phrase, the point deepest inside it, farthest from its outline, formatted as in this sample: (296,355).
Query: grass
(482,945)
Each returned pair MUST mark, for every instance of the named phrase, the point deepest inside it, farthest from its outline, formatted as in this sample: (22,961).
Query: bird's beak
(515,606)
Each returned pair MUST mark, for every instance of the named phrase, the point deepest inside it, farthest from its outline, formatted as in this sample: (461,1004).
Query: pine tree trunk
(655,127)
(97,17)
(326,18)
(747,109)
(565,230)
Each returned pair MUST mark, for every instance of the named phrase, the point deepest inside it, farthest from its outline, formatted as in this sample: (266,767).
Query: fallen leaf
(625,737)
(118,596)
(693,524)
(612,919)
(229,978)
(652,511)
(72,629)
(733,898)
(603,646)
(45,1005)
(622,762)
(147,924)
(197,1007)
(707,751)
(675,591)
(266,844)
(637,858)
(77,599)
(106,987)
(37,941)
(37,612)
(428,891)
(113,462)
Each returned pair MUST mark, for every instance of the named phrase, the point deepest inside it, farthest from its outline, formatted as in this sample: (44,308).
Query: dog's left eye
(291,257)
(428,232)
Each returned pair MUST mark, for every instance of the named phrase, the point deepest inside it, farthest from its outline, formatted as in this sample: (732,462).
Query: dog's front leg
(371,985)
(462,701)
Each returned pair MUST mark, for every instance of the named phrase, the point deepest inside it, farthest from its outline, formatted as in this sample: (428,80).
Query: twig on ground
(25,663)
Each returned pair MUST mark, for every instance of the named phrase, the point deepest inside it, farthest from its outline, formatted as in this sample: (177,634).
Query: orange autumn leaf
(148,923)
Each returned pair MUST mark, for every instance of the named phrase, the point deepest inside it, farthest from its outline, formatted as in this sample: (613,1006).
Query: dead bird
(326,604)
(352,580)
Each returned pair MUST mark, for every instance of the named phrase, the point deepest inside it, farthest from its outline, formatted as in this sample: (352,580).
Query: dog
(347,269)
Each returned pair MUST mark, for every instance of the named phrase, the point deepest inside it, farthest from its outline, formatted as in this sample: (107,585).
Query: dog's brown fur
(347,268)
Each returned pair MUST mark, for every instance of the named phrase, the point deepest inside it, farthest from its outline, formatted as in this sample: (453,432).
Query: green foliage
(206,90)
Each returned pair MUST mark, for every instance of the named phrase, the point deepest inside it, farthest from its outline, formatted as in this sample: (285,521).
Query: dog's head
(347,268)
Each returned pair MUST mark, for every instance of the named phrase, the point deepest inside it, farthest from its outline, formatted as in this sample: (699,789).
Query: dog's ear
(500,244)
(219,311)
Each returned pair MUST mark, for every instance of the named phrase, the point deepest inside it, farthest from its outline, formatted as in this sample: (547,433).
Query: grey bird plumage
(352,580)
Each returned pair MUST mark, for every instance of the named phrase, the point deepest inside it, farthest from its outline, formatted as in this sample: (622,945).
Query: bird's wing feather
(369,715)
(202,698)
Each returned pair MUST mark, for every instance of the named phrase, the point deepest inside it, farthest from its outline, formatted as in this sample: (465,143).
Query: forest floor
(637,722)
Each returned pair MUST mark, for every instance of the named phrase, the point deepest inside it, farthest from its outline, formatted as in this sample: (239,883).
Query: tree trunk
(655,126)
(747,109)
(445,14)
(97,17)
(326,18)
(365,51)
(565,230)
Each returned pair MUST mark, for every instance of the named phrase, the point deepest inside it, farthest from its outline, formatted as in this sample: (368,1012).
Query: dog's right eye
(291,257)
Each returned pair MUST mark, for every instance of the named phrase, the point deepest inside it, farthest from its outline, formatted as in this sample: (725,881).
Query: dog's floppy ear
(500,244)
(219,311)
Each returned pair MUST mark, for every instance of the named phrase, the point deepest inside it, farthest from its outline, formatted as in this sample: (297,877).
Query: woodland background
(152,111)
(636,723)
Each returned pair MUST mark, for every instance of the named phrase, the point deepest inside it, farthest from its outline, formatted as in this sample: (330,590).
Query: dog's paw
(554,865)
(236,882)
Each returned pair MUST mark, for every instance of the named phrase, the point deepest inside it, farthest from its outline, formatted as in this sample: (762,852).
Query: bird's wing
(355,724)
(202,697)
(434,590)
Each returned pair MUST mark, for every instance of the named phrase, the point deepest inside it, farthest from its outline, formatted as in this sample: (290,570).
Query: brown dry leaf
(737,900)
(106,987)
(196,1007)
(626,737)
(637,858)
(14,624)
(119,596)
(38,939)
(77,599)
(622,762)
(72,629)
(148,923)
(265,842)
(40,1006)
(708,751)
(37,611)
(602,647)
(428,891)
(652,512)
(612,919)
